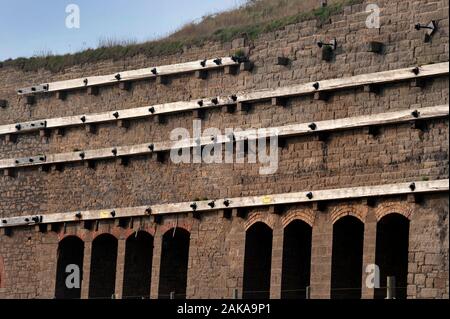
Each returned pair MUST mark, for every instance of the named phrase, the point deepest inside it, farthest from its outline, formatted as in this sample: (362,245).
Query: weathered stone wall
(216,256)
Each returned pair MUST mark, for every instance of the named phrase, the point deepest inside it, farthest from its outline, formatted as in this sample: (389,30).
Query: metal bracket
(30,160)
(430,27)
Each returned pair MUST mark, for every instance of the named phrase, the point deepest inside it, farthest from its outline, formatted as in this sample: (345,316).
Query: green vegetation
(250,20)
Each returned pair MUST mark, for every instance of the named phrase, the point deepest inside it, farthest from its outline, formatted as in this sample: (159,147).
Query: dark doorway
(392,253)
(174,264)
(257,262)
(347,258)
(103,267)
(138,266)
(296,260)
(69,258)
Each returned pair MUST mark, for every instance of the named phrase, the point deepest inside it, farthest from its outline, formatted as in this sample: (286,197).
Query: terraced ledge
(234,204)
(367,81)
(329,126)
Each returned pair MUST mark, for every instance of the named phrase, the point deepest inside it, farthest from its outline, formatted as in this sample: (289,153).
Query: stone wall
(216,255)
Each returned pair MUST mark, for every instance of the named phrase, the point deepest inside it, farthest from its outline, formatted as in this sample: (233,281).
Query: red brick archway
(103,266)
(138,266)
(259,217)
(174,264)
(257,261)
(296,267)
(70,252)
(384,209)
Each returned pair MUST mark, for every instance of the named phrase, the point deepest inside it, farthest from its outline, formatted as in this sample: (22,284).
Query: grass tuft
(251,20)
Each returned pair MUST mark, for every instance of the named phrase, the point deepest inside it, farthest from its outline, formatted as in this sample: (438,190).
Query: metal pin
(415,113)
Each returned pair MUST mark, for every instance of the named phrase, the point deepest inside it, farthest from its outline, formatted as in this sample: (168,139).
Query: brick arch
(61,237)
(384,209)
(168,225)
(358,211)
(99,233)
(131,232)
(2,273)
(306,215)
(265,218)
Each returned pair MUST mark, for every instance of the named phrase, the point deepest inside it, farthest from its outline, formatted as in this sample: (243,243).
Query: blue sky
(29,27)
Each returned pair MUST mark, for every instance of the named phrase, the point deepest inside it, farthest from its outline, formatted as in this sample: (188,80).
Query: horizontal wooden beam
(132,75)
(284,92)
(281,131)
(307,196)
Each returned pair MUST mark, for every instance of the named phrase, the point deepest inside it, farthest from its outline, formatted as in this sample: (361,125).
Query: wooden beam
(323,128)
(131,75)
(239,205)
(363,80)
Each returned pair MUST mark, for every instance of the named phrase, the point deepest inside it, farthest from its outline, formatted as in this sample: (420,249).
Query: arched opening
(296,260)
(257,262)
(69,268)
(392,253)
(103,267)
(174,264)
(347,258)
(138,266)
